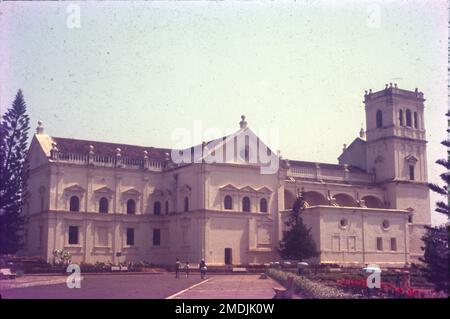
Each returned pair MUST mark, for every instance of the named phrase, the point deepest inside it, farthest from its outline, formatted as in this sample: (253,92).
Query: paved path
(231,287)
(31,281)
(148,287)
(108,287)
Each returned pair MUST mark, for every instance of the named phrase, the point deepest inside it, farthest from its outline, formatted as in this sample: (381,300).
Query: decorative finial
(40,128)
(286,163)
(344,147)
(386,86)
(54,151)
(243,122)
(362,133)
(395,85)
(279,154)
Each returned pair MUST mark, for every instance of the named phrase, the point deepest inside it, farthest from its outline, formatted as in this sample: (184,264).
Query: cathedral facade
(111,202)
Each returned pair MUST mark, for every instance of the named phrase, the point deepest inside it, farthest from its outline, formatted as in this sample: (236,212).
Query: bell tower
(396,145)
(396,153)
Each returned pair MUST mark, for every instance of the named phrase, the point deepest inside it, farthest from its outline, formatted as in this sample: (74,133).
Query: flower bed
(386,290)
(309,289)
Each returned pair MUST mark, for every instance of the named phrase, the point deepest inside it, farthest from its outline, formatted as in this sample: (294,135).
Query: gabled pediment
(131,192)
(241,147)
(38,153)
(104,190)
(411,159)
(248,189)
(264,190)
(75,188)
(229,187)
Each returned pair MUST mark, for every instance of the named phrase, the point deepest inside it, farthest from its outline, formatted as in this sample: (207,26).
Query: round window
(386,224)
(343,222)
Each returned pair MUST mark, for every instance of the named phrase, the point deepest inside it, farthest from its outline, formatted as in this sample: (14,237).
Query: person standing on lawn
(186,269)
(177,268)
(202,267)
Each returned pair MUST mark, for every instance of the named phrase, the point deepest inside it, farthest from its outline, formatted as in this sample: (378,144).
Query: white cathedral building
(103,200)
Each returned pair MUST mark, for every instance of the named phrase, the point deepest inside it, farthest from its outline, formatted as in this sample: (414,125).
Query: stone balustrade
(109,161)
(329,174)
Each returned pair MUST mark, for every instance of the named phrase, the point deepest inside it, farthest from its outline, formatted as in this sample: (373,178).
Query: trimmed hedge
(309,289)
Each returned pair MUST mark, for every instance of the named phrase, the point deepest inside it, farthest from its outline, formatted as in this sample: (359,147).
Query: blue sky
(134,72)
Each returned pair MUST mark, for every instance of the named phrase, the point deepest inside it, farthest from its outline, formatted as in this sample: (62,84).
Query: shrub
(61,257)
(310,289)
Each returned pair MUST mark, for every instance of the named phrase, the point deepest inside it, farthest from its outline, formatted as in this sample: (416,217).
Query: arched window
(186,204)
(416,125)
(74,204)
(157,208)
(131,206)
(166,207)
(379,119)
(408,118)
(263,205)
(400,117)
(411,172)
(103,205)
(228,202)
(246,204)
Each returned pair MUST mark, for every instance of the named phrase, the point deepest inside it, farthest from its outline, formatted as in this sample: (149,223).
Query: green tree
(436,256)
(297,243)
(436,238)
(13,174)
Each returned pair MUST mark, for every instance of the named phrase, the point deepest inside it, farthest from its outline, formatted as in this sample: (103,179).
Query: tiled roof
(75,146)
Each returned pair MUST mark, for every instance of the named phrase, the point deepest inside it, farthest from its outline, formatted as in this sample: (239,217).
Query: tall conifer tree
(297,243)
(436,238)
(13,174)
